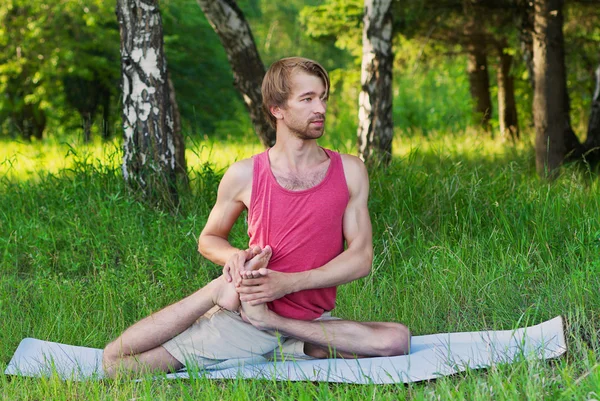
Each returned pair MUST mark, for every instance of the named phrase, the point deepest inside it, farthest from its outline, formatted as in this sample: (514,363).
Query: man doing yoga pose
(309,231)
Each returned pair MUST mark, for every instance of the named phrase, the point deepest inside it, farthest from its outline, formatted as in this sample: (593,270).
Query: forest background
(60,71)
(467,235)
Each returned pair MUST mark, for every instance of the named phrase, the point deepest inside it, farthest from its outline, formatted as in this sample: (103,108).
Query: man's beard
(305,133)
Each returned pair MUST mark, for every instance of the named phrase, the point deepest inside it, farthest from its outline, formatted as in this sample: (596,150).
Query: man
(304,202)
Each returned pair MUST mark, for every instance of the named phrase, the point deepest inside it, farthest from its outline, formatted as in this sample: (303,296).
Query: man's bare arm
(232,198)
(355,262)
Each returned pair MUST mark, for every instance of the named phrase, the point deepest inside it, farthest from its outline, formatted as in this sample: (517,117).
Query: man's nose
(321,106)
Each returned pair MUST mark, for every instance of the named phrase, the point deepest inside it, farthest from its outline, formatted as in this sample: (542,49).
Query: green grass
(466,238)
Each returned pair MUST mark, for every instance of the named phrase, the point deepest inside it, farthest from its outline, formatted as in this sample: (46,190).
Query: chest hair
(295,181)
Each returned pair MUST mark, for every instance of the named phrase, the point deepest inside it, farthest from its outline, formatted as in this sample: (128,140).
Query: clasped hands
(255,286)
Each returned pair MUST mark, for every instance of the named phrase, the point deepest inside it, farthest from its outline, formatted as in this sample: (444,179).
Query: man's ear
(276,112)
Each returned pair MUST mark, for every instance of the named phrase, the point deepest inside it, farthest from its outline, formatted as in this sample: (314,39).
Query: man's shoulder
(355,171)
(351,159)
(240,172)
(243,164)
(347,159)
(353,166)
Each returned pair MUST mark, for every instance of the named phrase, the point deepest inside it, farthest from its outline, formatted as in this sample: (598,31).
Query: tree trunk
(229,23)
(149,151)
(526,36)
(592,142)
(179,141)
(477,69)
(29,121)
(39,123)
(87,126)
(375,126)
(507,109)
(554,137)
(106,124)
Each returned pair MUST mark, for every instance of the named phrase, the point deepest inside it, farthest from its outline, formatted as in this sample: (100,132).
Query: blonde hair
(276,85)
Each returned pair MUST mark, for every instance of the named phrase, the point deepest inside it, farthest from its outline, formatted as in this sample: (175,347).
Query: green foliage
(582,37)
(431,87)
(46,43)
(199,69)
(338,20)
(60,60)
(431,90)
(278,33)
(462,242)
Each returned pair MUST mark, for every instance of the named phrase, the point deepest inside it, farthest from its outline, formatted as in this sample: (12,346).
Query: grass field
(466,238)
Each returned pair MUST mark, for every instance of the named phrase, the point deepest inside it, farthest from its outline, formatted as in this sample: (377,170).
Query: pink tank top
(304,228)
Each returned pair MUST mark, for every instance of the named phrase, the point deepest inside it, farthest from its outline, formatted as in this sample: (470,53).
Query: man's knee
(395,341)
(110,359)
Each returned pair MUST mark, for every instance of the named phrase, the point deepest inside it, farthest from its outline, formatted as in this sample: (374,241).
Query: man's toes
(268,251)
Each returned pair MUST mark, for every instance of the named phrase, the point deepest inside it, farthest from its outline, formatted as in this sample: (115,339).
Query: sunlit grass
(27,160)
(469,144)
(466,237)
(219,154)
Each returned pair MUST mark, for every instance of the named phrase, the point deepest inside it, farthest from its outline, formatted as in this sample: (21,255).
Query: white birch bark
(375,125)
(148,147)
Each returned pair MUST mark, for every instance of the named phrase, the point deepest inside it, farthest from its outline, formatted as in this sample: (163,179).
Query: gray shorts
(222,335)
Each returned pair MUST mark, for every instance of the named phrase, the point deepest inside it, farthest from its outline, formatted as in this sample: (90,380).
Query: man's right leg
(139,349)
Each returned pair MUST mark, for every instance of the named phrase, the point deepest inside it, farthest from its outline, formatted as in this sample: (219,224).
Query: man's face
(304,113)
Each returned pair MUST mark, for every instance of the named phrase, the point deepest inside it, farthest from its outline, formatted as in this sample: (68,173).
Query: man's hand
(269,287)
(235,264)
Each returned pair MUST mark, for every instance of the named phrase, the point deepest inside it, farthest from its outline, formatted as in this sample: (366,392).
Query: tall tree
(507,108)
(178,140)
(592,142)
(477,66)
(85,96)
(375,126)
(525,25)
(149,160)
(229,23)
(555,138)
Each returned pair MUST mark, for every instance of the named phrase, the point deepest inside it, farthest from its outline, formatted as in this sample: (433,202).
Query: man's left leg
(344,337)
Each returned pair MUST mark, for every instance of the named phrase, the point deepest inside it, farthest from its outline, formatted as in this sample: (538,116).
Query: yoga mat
(431,356)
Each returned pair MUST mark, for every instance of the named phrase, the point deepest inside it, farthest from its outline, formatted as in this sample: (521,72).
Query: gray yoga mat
(431,356)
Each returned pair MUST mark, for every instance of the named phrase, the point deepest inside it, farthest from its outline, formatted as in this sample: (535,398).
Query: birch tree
(229,23)
(375,125)
(148,147)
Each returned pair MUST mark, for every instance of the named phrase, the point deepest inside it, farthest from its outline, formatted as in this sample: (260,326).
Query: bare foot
(227,297)
(257,315)
(257,266)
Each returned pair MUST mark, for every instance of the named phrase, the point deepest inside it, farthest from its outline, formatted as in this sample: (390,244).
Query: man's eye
(306,99)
